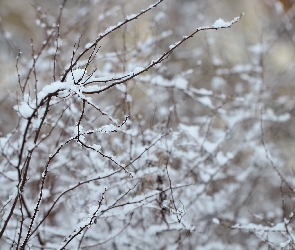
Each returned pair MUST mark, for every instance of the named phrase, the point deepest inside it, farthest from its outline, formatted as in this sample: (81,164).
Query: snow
(201,175)
(180,82)
(259,227)
(137,70)
(202,91)
(260,48)
(221,158)
(45,193)
(88,45)
(93,209)
(159,16)
(240,68)
(83,223)
(172,46)
(109,29)
(14,194)
(220,23)
(92,88)
(24,110)
(217,82)
(51,51)
(121,87)
(106,129)
(74,76)
(96,147)
(271,116)
(131,16)
(206,101)
(78,130)
(232,118)
(215,221)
